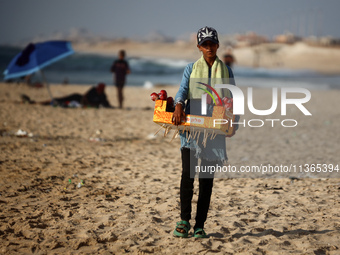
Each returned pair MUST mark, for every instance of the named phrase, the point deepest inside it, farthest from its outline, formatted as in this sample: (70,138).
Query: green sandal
(183,225)
(199,233)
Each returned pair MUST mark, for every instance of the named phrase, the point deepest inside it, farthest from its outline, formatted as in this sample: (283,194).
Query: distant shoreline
(298,56)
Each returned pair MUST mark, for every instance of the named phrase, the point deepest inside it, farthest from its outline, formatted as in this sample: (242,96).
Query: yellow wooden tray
(195,122)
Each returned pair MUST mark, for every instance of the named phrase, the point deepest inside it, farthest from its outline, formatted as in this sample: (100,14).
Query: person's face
(208,49)
(227,59)
(121,56)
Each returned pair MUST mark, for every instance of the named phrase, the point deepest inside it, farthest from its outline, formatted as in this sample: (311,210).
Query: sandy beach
(97,181)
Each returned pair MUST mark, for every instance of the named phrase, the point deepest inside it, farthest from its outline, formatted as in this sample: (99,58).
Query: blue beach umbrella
(35,57)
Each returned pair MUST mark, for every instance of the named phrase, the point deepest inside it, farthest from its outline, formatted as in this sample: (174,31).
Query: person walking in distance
(120,68)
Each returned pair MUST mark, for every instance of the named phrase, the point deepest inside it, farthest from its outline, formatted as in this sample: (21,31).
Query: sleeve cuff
(180,102)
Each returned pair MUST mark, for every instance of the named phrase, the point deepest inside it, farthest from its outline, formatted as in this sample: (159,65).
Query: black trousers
(189,162)
(72,97)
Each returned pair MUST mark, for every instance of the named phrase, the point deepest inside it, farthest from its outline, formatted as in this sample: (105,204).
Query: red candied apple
(163,95)
(154,96)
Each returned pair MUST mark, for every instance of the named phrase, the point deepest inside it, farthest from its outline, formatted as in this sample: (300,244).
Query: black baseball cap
(207,34)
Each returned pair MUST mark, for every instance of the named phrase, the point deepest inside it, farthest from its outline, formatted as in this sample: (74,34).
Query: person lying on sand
(94,97)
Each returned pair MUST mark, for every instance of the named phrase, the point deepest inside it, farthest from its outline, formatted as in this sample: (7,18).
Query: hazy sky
(25,19)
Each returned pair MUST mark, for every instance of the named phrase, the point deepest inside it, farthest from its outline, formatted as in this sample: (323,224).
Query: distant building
(329,41)
(250,39)
(326,41)
(288,38)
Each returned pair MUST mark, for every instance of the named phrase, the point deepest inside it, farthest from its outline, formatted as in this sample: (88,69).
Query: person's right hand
(178,115)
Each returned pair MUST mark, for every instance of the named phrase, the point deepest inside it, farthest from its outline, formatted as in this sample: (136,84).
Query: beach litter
(151,136)
(23,133)
(80,184)
(74,182)
(96,139)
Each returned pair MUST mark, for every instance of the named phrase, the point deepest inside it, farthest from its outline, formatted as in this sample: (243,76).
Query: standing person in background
(121,68)
(229,59)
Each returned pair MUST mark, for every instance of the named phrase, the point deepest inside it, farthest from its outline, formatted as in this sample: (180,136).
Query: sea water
(81,68)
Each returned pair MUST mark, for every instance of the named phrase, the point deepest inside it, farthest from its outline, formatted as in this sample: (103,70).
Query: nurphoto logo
(238,105)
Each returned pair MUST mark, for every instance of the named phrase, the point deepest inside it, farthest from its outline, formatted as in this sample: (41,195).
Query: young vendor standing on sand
(208,69)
